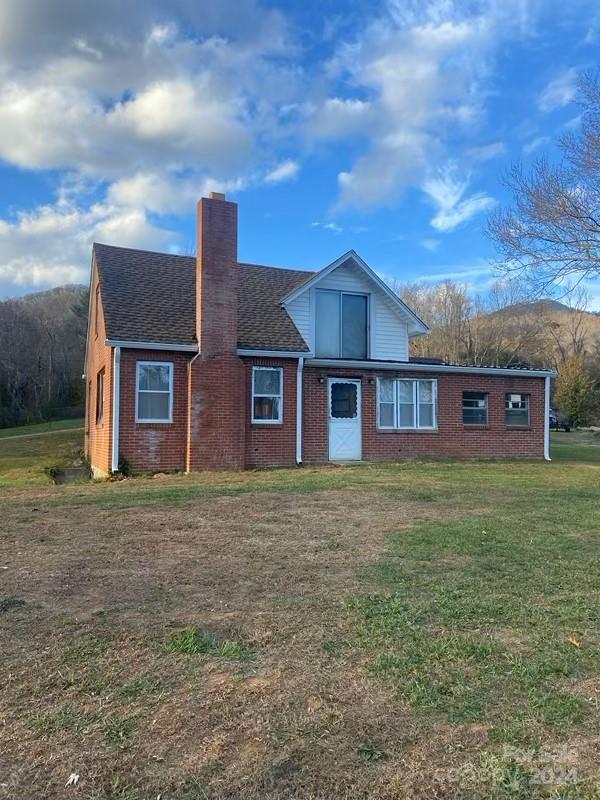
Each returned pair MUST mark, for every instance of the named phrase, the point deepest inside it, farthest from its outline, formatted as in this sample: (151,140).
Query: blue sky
(379,126)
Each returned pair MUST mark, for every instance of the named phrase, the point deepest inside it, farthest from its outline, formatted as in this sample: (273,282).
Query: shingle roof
(151,297)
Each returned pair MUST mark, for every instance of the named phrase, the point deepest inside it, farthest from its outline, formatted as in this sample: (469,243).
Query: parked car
(559,420)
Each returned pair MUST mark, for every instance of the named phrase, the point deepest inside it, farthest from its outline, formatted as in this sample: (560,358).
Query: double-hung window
(475,408)
(267,394)
(341,324)
(154,391)
(405,404)
(517,409)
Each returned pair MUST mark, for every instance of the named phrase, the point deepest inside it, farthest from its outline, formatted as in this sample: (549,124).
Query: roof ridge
(279,269)
(140,250)
(181,255)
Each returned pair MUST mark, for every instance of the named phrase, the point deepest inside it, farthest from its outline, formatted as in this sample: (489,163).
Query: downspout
(547,419)
(115,409)
(188,447)
(299,410)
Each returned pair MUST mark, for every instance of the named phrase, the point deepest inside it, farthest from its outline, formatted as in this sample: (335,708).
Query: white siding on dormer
(300,312)
(389,333)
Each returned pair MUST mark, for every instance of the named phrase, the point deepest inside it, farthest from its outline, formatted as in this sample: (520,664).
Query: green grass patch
(475,614)
(139,688)
(84,648)
(118,730)
(66,719)
(195,641)
(23,462)
(50,426)
(370,752)
(12,604)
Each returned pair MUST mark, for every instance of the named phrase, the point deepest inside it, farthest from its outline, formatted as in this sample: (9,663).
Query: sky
(385,127)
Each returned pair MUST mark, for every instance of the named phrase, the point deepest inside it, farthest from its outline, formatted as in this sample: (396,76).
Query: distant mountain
(69,290)
(543,306)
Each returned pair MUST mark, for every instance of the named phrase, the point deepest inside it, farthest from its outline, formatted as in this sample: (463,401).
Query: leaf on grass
(574,640)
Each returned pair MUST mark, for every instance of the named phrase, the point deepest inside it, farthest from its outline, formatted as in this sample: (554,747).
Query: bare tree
(552,232)
(42,338)
(569,331)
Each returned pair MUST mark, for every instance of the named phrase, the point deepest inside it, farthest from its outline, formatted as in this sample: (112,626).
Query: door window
(344,400)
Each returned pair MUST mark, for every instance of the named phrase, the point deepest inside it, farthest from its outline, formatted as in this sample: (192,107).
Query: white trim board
(116,408)
(185,348)
(246,351)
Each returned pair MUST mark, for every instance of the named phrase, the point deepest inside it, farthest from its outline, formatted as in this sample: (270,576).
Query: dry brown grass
(90,690)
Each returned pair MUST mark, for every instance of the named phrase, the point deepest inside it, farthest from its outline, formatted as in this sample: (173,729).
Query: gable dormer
(346,311)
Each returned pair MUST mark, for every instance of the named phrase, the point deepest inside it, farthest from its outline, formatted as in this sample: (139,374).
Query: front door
(344,420)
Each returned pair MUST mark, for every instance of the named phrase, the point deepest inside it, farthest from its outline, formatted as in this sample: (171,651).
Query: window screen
(475,408)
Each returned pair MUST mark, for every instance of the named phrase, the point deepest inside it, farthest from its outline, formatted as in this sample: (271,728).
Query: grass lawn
(42,427)
(419,630)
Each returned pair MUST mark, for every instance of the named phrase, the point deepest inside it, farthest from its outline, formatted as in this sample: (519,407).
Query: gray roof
(151,297)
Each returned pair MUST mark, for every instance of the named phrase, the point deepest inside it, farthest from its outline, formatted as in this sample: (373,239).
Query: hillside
(42,340)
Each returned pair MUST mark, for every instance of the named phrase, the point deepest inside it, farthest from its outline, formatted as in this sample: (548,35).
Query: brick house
(206,362)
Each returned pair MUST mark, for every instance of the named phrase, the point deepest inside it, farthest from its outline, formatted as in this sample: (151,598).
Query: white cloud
(182,87)
(51,245)
(559,92)
(535,143)
(184,99)
(328,226)
(338,117)
(480,273)
(446,191)
(420,71)
(286,171)
(486,152)
(430,244)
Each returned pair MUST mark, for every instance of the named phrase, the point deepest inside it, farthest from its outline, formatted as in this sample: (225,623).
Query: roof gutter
(407,366)
(116,406)
(133,345)
(246,351)
(299,373)
(547,419)
(188,449)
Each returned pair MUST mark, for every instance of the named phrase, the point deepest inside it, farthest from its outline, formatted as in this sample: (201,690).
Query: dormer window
(341,325)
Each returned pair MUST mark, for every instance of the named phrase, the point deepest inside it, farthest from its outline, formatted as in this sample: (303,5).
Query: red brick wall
(216,420)
(217,413)
(153,446)
(218,441)
(272,445)
(452,438)
(98,435)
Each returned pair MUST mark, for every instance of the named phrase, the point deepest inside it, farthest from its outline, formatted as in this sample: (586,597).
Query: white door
(344,420)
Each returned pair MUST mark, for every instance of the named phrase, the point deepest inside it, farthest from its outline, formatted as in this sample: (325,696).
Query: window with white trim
(267,394)
(403,403)
(517,410)
(154,391)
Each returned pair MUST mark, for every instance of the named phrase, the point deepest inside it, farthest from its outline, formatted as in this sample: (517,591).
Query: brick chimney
(216,385)
(216,283)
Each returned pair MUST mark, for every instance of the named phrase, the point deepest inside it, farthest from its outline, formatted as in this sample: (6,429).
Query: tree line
(42,345)
(504,328)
